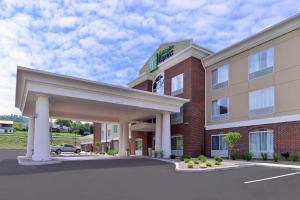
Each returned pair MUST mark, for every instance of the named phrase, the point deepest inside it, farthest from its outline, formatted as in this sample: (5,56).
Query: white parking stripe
(274,177)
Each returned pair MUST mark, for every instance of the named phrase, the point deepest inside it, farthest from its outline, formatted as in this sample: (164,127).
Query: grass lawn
(18,140)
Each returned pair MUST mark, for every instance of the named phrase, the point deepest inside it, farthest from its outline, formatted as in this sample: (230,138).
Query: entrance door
(218,146)
(138,146)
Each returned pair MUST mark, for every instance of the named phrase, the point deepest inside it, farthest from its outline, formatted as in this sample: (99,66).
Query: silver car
(65,148)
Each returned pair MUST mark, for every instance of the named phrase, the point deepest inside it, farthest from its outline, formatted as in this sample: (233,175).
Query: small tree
(231,139)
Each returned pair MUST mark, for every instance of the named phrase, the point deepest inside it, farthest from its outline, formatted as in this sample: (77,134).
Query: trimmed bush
(190,165)
(218,159)
(275,157)
(217,163)
(196,162)
(234,155)
(172,156)
(247,156)
(264,156)
(202,158)
(112,152)
(294,156)
(183,157)
(208,164)
(186,160)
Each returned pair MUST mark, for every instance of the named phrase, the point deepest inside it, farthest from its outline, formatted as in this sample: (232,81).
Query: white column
(30,137)
(41,136)
(121,140)
(166,135)
(158,133)
(126,138)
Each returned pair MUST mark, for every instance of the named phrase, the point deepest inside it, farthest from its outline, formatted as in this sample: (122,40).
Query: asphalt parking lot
(140,179)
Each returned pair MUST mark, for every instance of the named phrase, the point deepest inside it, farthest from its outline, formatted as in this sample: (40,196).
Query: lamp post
(106,147)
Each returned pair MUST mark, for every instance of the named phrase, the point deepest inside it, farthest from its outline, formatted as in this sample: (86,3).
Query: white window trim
(274,100)
(257,131)
(163,75)
(256,52)
(226,115)
(213,86)
(180,90)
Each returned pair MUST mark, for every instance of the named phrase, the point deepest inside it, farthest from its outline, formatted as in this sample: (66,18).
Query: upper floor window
(220,77)
(261,101)
(115,128)
(220,109)
(261,63)
(158,85)
(177,118)
(177,84)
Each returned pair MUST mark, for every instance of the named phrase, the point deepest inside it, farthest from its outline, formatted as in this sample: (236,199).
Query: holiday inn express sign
(160,57)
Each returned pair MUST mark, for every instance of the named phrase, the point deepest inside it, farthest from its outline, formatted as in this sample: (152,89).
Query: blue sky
(109,41)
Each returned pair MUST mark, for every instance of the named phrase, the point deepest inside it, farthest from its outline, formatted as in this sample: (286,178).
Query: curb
(282,166)
(177,168)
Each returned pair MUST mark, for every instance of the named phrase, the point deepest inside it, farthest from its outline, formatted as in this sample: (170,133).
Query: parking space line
(274,177)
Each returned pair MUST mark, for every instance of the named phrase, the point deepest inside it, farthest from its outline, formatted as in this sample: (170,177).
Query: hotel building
(185,98)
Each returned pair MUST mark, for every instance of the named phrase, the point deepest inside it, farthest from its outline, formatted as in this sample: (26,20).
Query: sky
(109,41)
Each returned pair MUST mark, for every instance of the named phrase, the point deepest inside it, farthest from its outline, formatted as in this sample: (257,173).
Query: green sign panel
(160,57)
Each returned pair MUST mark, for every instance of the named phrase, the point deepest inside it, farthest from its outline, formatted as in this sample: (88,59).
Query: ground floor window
(218,146)
(177,145)
(139,146)
(261,141)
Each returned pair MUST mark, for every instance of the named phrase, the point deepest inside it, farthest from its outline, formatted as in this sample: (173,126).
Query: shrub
(186,160)
(264,156)
(218,159)
(234,155)
(172,156)
(275,157)
(217,163)
(231,139)
(202,158)
(208,164)
(295,156)
(190,165)
(247,156)
(112,152)
(196,162)
(184,156)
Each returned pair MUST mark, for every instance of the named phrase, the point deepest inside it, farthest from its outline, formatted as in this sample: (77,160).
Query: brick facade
(286,136)
(193,112)
(147,141)
(97,134)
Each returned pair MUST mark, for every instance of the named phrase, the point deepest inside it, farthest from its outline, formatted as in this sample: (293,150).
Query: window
(218,146)
(158,85)
(220,109)
(177,118)
(220,77)
(177,85)
(115,128)
(218,142)
(261,101)
(138,144)
(261,63)
(261,141)
(177,142)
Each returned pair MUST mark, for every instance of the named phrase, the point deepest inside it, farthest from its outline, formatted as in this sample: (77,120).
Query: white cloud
(109,41)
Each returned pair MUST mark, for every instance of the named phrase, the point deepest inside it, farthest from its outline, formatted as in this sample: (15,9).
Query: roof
(6,122)
(261,37)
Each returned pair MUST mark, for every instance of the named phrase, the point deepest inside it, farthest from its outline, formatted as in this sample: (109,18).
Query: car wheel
(77,151)
(58,151)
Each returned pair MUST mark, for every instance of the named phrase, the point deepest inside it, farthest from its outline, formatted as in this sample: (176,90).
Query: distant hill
(16,118)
